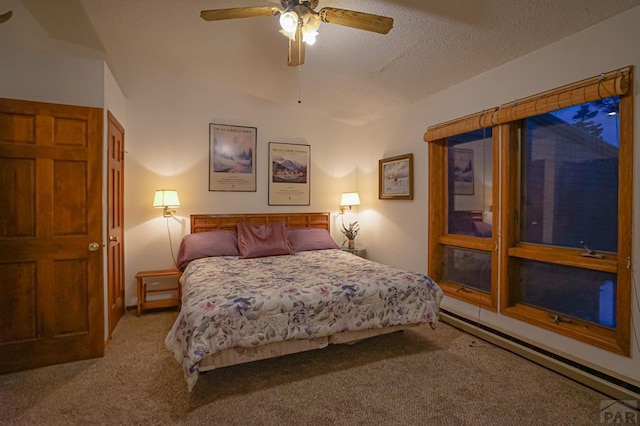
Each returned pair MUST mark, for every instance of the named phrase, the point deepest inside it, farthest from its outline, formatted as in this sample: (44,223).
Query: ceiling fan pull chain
(299,90)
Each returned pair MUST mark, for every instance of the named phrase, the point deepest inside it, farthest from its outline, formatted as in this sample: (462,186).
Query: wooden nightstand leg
(139,285)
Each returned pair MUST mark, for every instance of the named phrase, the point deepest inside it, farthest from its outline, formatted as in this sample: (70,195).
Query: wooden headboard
(211,222)
(476,215)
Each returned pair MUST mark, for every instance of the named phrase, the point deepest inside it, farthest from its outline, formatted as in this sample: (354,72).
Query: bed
(469,222)
(258,286)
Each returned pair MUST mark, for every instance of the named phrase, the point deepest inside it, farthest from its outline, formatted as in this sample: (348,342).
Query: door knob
(94,246)
(113,239)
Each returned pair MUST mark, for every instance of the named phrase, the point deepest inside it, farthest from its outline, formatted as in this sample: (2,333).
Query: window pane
(469,268)
(570,177)
(470,183)
(575,292)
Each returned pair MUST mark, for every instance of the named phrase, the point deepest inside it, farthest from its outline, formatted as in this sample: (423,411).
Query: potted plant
(351,232)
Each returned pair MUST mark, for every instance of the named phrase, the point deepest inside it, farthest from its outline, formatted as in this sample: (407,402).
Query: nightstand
(162,286)
(358,251)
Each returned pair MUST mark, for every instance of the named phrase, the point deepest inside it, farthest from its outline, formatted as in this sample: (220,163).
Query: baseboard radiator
(601,382)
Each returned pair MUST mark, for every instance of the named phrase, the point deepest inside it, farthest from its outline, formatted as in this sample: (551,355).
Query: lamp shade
(166,198)
(350,199)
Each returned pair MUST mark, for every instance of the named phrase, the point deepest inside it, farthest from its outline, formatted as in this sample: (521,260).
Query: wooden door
(115,218)
(51,285)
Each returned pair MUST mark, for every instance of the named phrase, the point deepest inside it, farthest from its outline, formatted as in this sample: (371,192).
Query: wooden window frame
(439,238)
(504,244)
(616,339)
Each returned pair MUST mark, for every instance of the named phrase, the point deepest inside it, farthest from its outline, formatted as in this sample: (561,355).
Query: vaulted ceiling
(350,75)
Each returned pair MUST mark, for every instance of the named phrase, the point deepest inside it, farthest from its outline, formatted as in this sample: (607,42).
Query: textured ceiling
(350,75)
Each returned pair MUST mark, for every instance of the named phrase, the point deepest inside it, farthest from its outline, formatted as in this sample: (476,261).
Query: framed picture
(396,178)
(232,158)
(462,171)
(289,174)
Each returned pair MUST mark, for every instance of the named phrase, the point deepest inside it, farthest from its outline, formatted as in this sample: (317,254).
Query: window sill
(589,333)
(469,295)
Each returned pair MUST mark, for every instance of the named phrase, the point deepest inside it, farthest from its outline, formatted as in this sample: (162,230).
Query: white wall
(401,226)
(167,143)
(114,100)
(35,67)
(51,77)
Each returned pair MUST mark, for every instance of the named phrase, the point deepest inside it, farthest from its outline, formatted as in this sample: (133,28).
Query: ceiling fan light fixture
(309,37)
(311,21)
(310,26)
(289,22)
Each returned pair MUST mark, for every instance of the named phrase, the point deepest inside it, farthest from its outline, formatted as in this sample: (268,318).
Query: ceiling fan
(300,22)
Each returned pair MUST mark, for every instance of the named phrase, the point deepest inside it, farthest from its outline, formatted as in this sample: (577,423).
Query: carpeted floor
(420,376)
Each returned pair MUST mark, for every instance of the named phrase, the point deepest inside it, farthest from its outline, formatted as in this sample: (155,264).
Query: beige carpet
(421,376)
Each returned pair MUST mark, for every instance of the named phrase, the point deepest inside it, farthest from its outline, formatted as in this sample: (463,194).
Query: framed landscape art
(232,158)
(462,171)
(289,183)
(395,178)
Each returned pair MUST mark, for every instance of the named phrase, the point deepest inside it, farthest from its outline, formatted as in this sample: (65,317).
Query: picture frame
(463,172)
(395,178)
(289,177)
(232,158)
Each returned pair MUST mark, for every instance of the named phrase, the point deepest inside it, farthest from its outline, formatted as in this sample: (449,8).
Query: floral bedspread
(228,302)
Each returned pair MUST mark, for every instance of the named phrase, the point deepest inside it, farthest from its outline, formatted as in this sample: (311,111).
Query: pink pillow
(305,239)
(207,244)
(264,239)
(483,229)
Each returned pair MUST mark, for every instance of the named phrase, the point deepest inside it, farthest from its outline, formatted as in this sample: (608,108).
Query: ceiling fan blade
(296,50)
(6,16)
(358,20)
(238,12)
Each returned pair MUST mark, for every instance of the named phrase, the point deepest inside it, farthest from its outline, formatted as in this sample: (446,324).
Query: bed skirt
(228,357)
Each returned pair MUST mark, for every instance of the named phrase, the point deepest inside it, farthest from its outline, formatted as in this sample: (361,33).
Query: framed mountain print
(232,158)
(289,183)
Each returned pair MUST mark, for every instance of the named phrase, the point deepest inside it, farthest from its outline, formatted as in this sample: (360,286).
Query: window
(559,215)
(570,177)
(463,238)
